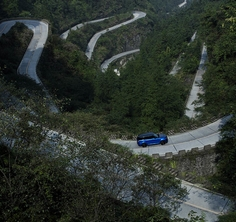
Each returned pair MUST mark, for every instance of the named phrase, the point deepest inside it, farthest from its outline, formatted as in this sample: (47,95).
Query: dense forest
(36,187)
(219,84)
(83,83)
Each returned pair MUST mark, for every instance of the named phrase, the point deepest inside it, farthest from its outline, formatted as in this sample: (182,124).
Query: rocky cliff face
(132,42)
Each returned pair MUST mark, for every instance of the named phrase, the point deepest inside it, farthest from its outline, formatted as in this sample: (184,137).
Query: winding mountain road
(31,57)
(137,15)
(65,34)
(198,138)
(90,47)
(32,54)
(106,63)
(198,199)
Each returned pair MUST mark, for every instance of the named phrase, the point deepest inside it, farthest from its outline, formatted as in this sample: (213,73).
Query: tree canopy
(39,178)
(218,29)
(47,175)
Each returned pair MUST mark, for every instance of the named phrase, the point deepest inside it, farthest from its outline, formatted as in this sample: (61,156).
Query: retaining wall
(169,155)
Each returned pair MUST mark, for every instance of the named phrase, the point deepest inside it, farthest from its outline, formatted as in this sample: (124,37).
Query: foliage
(40,185)
(156,189)
(219,79)
(226,150)
(146,98)
(128,37)
(63,14)
(81,36)
(219,85)
(70,75)
(161,6)
(191,57)
(81,82)
(228,217)
(49,176)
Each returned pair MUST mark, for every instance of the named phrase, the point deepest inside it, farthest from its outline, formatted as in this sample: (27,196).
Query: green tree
(228,218)
(46,175)
(153,188)
(12,8)
(226,150)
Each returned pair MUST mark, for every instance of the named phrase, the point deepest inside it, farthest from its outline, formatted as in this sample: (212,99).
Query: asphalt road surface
(93,40)
(106,63)
(30,59)
(198,138)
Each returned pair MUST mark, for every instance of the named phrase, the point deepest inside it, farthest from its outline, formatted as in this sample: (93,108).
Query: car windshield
(156,135)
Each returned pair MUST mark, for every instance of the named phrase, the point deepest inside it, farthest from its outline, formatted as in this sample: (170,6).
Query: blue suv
(150,138)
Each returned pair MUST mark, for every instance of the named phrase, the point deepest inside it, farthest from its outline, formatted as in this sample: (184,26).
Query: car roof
(146,134)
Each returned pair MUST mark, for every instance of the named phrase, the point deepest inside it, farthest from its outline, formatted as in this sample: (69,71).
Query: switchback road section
(93,40)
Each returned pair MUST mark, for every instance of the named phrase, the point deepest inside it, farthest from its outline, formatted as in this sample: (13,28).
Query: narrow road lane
(93,40)
(106,63)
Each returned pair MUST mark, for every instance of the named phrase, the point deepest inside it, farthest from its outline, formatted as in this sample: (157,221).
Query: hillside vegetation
(68,75)
(219,83)
(36,187)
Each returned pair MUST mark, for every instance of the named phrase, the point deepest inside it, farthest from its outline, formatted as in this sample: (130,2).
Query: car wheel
(144,145)
(162,142)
